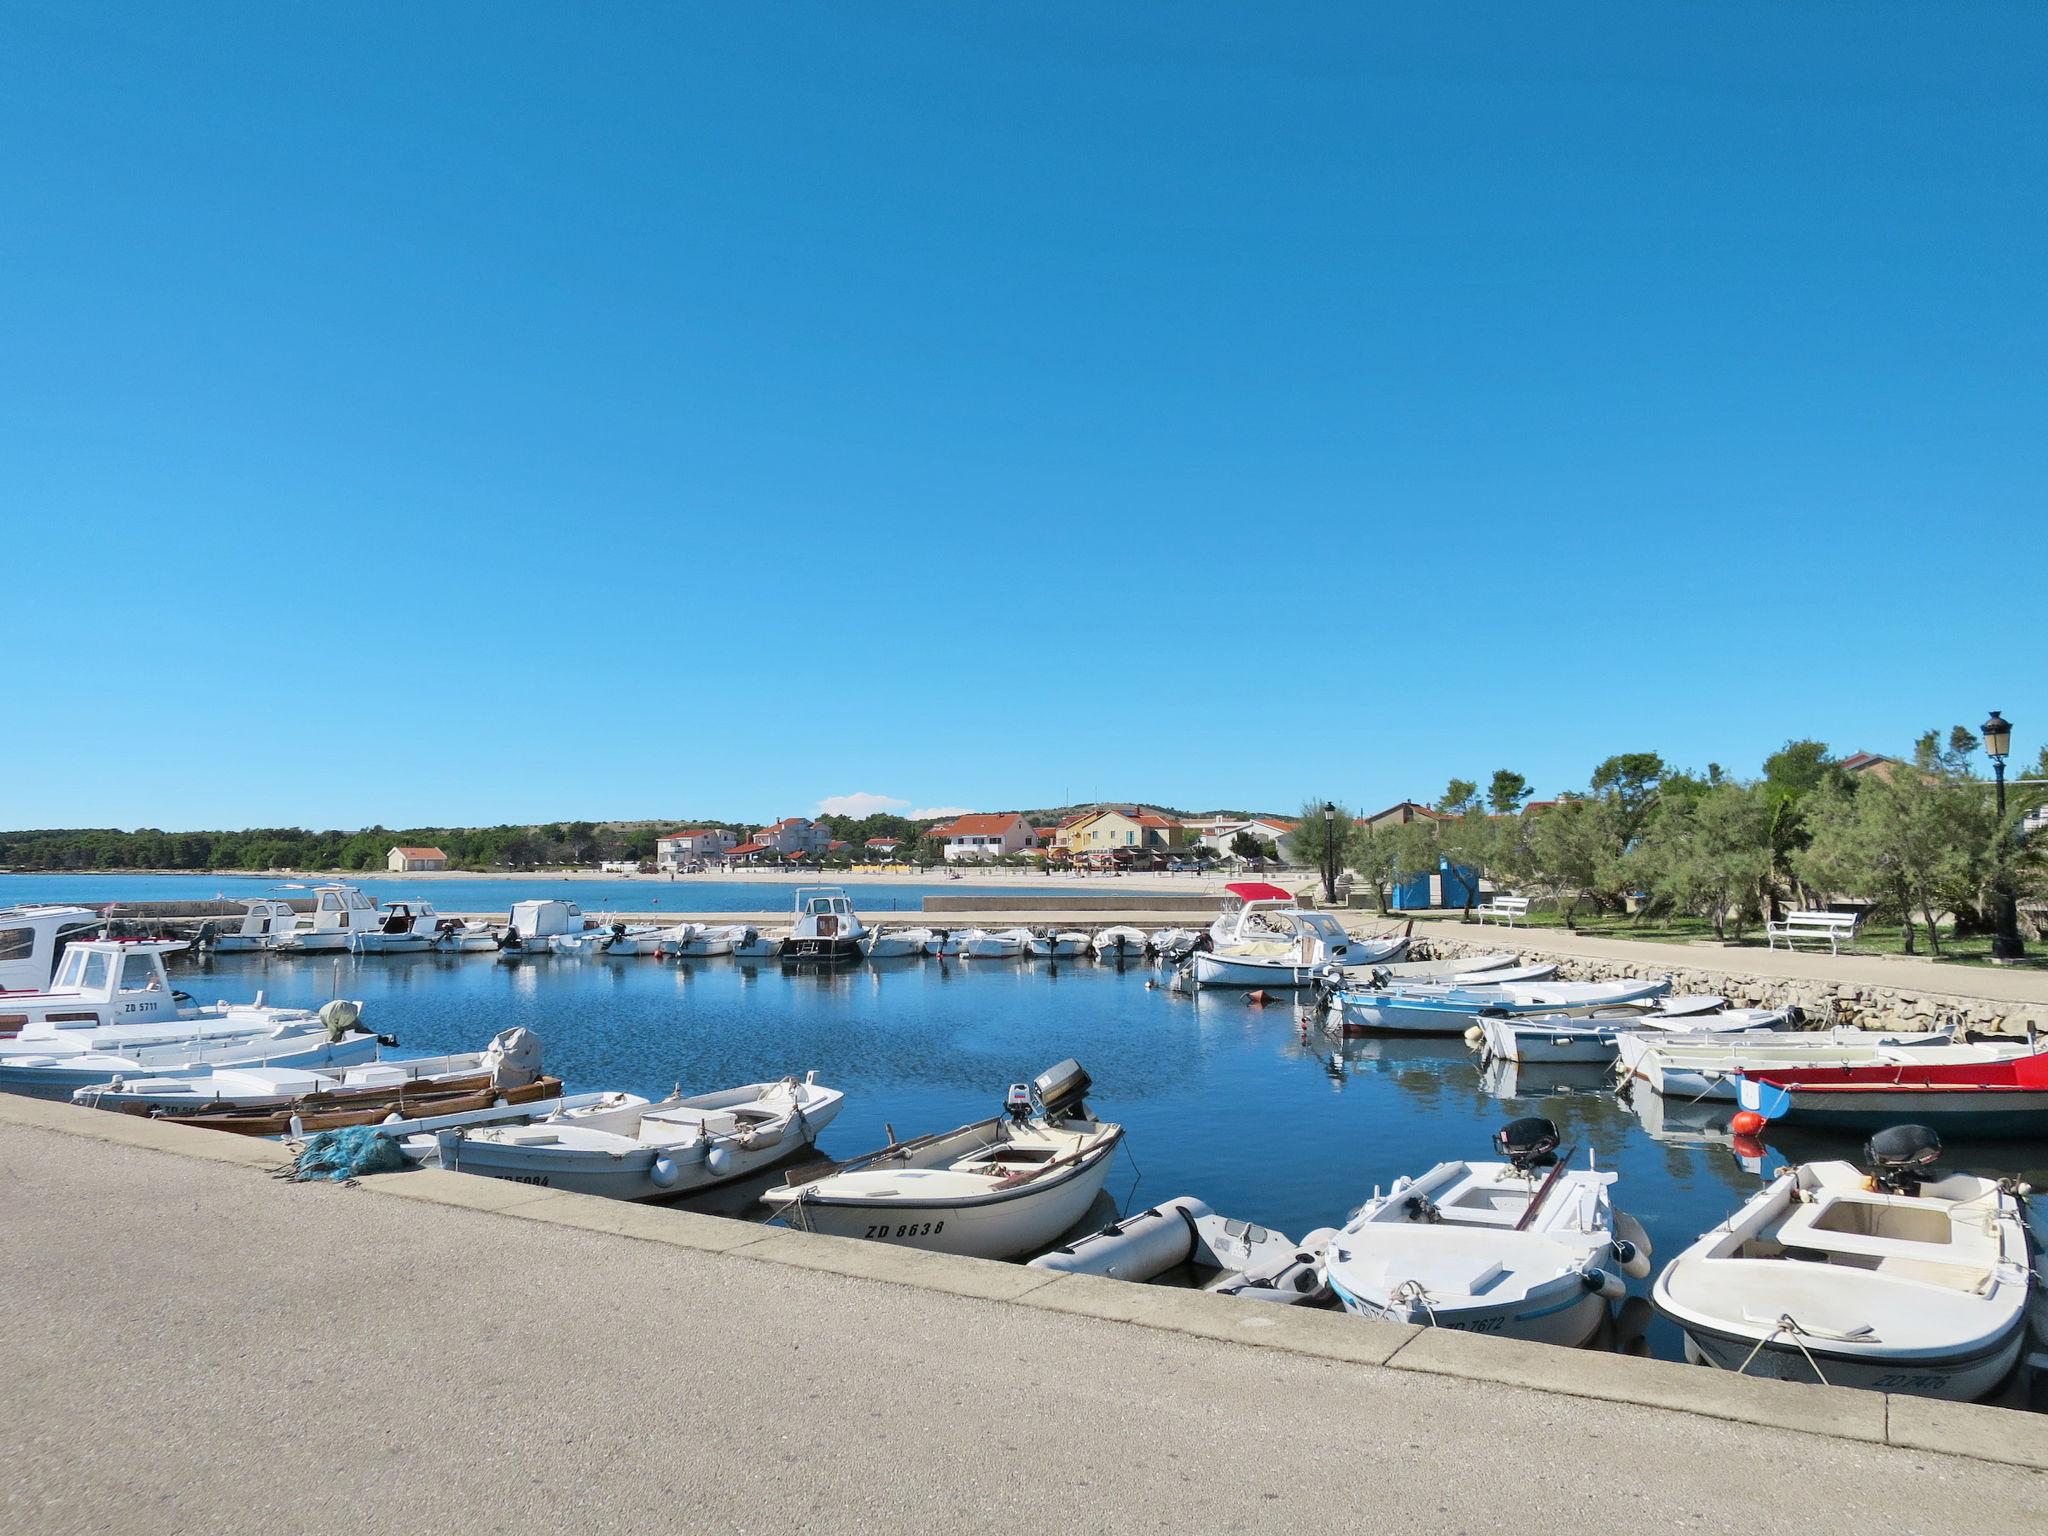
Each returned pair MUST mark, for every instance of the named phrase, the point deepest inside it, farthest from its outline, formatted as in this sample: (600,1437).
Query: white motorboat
(997,1189)
(1175,943)
(1711,1066)
(943,942)
(1228,1257)
(262,924)
(1902,1281)
(511,1060)
(751,943)
(534,926)
(110,993)
(452,936)
(827,929)
(32,940)
(403,928)
(1120,943)
(1589,1039)
(1529,1248)
(628,939)
(1451,970)
(1272,943)
(897,943)
(980,944)
(642,1151)
(1066,944)
(695,941)
(1427,1009)
(53,1058)
(340,912)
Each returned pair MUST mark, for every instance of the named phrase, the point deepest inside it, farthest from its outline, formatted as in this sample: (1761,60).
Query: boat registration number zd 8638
(908,1229)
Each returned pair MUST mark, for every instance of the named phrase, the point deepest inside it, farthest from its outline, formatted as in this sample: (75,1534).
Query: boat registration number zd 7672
(908,1229)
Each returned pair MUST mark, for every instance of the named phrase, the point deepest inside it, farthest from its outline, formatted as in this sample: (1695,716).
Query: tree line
(1917,839)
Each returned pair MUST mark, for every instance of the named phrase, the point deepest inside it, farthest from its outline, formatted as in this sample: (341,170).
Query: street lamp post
(1330,853)
(2006,943)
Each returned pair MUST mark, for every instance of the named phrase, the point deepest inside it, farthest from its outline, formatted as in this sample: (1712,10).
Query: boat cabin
(99,981)
(825,912)
(33,939)
(409,917)
(339,909)
(545,919)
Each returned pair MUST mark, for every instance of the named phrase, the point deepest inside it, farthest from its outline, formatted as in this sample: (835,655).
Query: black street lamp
(2006,943)
(1330,852)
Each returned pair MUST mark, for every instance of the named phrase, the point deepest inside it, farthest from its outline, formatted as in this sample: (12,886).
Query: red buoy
(1747,1122)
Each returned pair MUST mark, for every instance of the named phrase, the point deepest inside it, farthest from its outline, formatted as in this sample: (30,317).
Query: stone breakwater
(1825,1002)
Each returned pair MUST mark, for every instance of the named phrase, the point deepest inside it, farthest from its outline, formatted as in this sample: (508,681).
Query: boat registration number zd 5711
(908,1229)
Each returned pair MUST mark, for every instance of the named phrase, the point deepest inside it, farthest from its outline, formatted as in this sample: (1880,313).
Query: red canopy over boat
(1258,890)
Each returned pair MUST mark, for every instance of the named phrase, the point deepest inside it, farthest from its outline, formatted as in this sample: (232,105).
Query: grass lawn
(1873,939)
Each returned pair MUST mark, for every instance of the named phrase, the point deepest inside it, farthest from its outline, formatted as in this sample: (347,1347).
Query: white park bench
(1503,909)
(1835,928)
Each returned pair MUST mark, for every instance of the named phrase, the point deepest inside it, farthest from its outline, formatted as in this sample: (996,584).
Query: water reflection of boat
(1544,1080)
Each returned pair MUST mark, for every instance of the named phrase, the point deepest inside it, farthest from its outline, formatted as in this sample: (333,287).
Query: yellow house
(1107,831)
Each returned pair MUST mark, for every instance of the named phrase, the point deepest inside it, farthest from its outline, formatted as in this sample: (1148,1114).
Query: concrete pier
(191,1345)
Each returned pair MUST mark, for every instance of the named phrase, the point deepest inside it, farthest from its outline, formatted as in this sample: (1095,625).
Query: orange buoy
(1747,1122)
(1259,998)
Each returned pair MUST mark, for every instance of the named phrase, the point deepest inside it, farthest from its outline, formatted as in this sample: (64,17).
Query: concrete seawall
(619,1367)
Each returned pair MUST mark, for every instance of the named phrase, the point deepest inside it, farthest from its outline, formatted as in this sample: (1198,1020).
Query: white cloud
(934,812)
(861,804)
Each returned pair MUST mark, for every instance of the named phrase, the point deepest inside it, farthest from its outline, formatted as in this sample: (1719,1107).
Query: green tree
(1506,792)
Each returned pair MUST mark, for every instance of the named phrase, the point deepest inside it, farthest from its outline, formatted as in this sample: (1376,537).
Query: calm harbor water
(488,895)
(1223,1100)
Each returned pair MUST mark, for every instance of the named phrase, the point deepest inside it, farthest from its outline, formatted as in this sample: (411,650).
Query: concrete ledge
(1968,1429)
(1986,1434)
(898,1266)
(1326,1335)
(1838,1411)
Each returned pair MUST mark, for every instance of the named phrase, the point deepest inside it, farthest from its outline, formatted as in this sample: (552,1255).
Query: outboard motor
(1061,1088)
(1528,1143)
(1901,1157)
(1017,1102)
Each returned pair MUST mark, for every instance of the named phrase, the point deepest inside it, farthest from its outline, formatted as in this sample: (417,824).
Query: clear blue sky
(449,414)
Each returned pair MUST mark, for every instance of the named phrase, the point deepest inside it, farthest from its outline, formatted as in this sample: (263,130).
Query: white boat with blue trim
(1528,1248)
(1903,1280)
(1450,1010)
(997,1189)
(629,1149)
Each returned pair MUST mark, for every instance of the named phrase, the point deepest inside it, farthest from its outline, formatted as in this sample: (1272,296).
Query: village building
(406,861)
(794,834)
(691,845)
(990,836)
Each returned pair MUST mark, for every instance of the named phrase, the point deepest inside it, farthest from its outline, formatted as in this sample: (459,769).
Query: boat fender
(718,1157)
(1607,1287)
(1631,1259)
(664,1171)
(1631,1233)
(1475,1037)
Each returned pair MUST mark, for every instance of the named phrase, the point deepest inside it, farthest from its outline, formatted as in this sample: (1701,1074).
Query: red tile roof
(682,832)
(981,825)
(883,842)
(422,853)
(746,848)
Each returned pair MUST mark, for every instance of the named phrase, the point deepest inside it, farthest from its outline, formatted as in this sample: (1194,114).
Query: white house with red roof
(991,836)
(691,845)
(794,834)
(411,860)
(883,847)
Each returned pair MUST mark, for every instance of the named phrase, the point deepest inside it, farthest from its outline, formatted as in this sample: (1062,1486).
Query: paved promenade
(190,1345)
(1904,973)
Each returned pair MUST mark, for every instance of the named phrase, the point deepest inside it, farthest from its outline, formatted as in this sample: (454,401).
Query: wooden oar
(1556,1173)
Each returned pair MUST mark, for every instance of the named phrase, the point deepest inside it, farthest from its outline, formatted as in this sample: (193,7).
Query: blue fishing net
(348,1153)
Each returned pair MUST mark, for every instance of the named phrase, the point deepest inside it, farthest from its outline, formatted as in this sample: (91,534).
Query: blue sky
(459,414)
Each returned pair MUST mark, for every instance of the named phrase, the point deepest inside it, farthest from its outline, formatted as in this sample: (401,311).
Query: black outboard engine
(1528,1143)
(1901,1157)
(1061,1089)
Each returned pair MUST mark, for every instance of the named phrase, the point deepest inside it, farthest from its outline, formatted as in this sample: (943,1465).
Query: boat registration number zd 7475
(908,1229)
